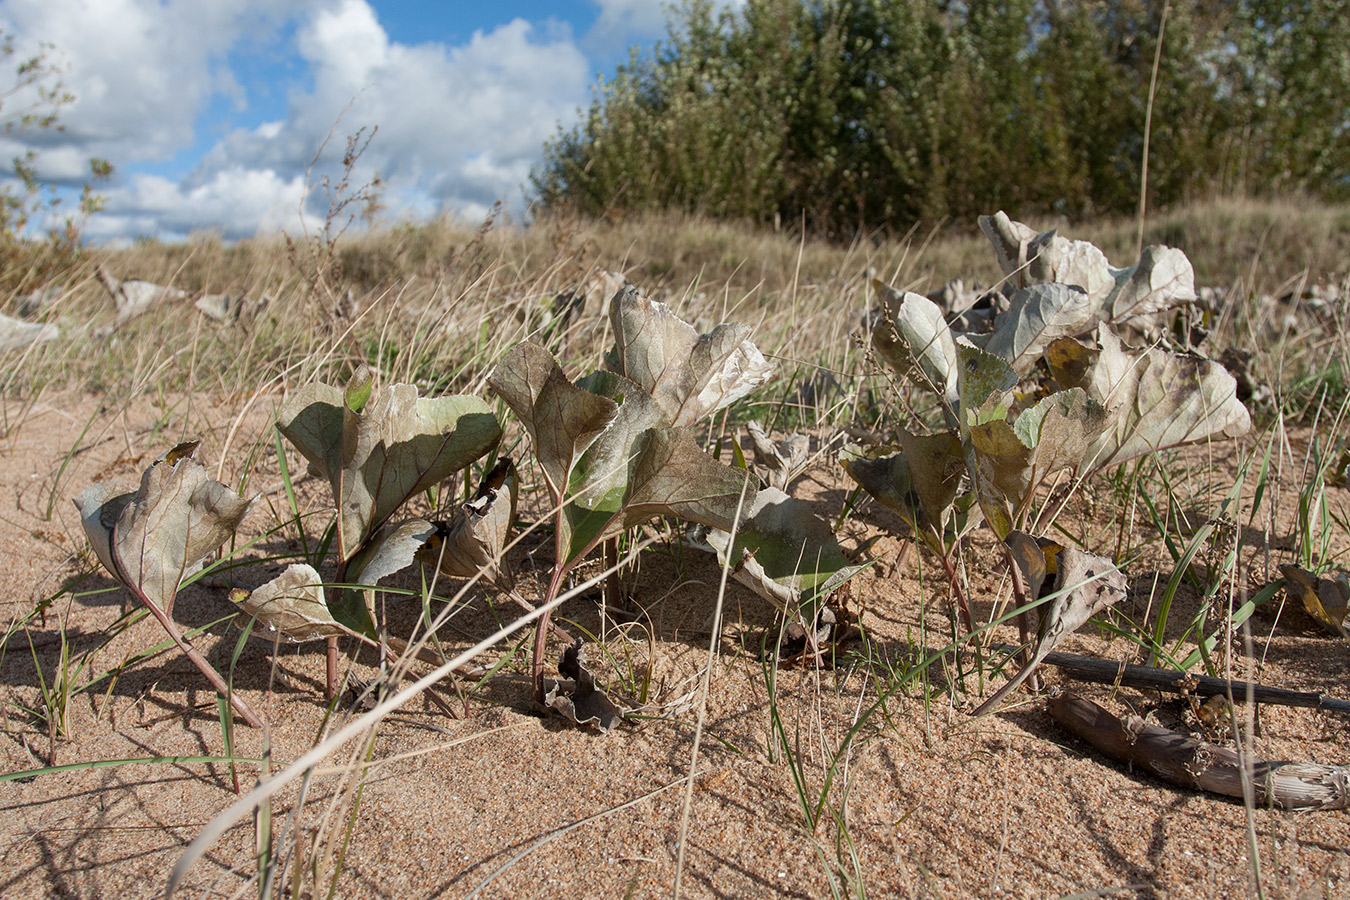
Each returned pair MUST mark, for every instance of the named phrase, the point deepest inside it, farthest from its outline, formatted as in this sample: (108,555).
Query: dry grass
(438,305)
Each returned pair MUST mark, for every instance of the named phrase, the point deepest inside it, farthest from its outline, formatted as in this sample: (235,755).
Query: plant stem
(611,590)
(330,669)
(199,661)
(541,632)
(1023,623)
(962,603)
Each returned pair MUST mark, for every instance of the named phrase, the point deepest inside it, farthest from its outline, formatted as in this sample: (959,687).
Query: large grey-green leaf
(688,374)
(1038,315)
(562,419)
(290,607)
(163,532)
(1011,241)
(784,552)
(914,339)
(642,467)
(1160,280)
(15,333)
(1154,399)
(1163,278)
(396,446)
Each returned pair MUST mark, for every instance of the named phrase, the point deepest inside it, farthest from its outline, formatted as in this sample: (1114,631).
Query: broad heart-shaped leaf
(688,374)
(920,481)
(1325,599)
(1012,458)
(914,339)
(784,552)
(290,607)
(396,446)
(1154,400)
(475,539)
(563,420)
(1085,585)
(152,539)
(1161,279)
(641,467)
(1038,315)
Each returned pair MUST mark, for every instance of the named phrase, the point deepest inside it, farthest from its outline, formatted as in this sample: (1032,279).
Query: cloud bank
(459,126)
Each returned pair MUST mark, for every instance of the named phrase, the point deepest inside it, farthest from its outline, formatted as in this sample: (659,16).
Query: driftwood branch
(1105,671)
(1184,761)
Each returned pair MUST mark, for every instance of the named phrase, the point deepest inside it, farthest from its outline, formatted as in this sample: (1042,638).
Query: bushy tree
(856,114)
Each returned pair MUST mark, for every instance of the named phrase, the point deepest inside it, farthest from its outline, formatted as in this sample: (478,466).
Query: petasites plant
(152,538)
(377,449)
(1100,405)
(614,447)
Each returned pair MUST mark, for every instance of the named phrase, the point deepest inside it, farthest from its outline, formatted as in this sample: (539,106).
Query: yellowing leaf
(1325,599)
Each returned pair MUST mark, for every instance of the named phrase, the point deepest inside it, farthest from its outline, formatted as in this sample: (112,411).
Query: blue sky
(212,110)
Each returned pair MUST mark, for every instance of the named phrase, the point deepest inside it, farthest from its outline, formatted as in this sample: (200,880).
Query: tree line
(850,115)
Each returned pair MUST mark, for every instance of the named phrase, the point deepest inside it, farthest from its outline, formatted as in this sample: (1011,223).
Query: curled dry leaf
(777,464)
(1160,280)
(475,540)
(15,333)
(378,453)
(290,607)
(687,374)
(1086,584)
(153,538)
(580,700)
(1154,400)
(1325,599)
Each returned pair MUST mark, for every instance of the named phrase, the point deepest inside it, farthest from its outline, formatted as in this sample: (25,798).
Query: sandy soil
(502,802)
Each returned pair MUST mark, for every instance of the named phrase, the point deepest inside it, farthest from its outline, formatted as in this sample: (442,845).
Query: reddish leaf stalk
(199,661)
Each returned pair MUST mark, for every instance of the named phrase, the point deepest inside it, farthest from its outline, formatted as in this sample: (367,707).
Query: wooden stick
(1184,761)
(1107,671)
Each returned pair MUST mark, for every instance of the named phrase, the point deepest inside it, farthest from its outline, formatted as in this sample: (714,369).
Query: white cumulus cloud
(459,126)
